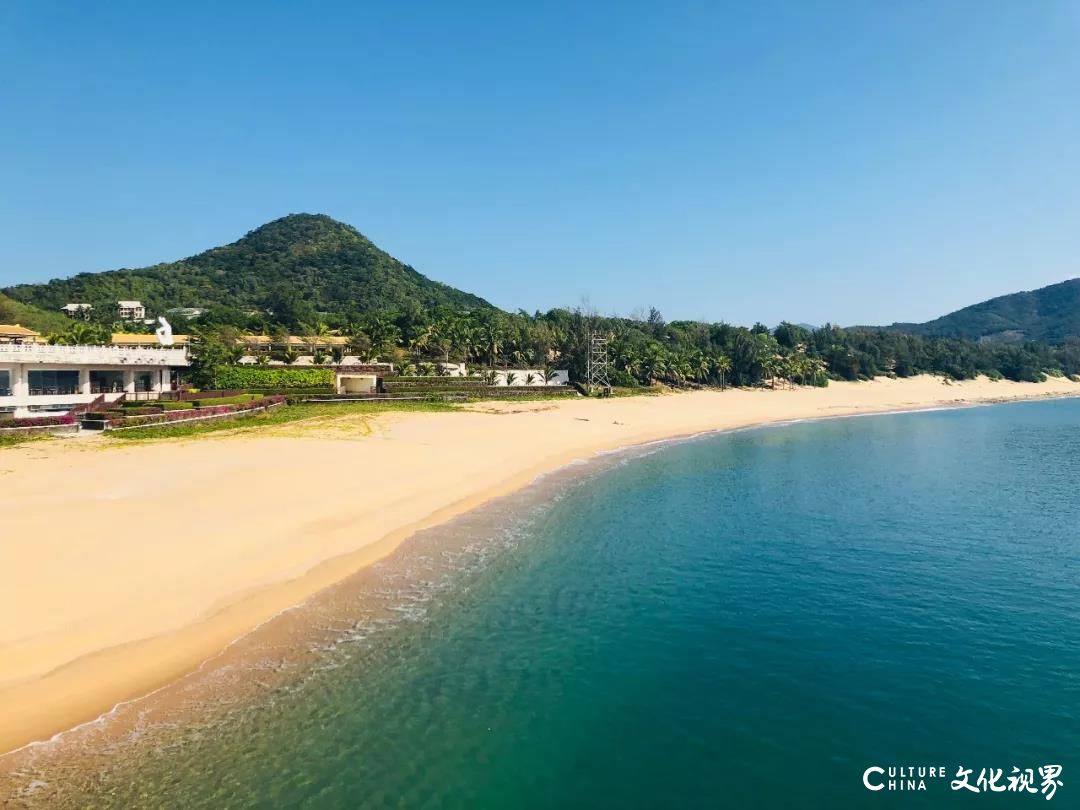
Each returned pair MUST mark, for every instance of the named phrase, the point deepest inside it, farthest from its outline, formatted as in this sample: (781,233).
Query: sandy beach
(125,565)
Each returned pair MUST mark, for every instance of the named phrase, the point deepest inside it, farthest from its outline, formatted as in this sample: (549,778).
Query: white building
(191,313)
(530,377)
(77,310)
(519,376)
(130,310)
(54,379)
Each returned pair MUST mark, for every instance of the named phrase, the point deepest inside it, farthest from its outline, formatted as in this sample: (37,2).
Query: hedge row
(273,377)
(194,413)
(38,421)
(112,413)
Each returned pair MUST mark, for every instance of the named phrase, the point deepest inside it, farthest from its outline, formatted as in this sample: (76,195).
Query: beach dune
(123,566)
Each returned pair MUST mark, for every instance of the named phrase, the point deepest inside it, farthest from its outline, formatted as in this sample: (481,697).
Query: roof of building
(76,306)
(129,304)
(294,340)
(131,339)
(15,330)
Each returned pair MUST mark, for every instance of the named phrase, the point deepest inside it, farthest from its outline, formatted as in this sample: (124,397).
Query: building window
(144,382)
(5,383)
(53,383)
(106,382)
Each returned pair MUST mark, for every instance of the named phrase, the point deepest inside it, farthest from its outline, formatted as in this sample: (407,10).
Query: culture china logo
(1046,779)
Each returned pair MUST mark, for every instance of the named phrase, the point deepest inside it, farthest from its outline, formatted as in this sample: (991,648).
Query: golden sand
(123,566)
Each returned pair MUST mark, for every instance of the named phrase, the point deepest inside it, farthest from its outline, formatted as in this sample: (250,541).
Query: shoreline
(58,672)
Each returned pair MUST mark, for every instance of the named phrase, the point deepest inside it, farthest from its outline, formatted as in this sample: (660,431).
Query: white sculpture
(164,332)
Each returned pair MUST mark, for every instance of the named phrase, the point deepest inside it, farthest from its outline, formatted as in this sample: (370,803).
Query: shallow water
(749,619)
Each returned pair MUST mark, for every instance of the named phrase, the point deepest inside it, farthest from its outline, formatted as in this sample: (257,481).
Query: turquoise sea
(750,619)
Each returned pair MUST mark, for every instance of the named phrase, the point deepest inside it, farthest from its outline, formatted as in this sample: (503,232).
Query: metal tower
(597,375)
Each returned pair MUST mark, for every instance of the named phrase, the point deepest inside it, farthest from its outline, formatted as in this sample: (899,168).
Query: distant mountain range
(1047,315)
(304,264)
(306,261)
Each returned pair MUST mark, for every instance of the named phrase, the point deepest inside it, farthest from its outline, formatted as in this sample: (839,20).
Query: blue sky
(859,162)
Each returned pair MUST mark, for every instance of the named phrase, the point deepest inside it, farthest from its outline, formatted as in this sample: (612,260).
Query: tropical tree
(316,334)
(82,333)
(721,364)
(383,332)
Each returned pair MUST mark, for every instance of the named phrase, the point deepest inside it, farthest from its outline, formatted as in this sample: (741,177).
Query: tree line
(642,350)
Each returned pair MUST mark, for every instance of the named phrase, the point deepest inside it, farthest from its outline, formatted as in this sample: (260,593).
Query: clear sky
(858,162)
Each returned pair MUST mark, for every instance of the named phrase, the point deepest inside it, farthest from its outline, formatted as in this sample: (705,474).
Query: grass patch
(537,397)
(239,399)
(283,415)
(11,441)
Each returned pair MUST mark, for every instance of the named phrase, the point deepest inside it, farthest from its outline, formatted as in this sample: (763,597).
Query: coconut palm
(81,333)
(699,366)
(721,364)
(492,337)
(316,334)
(383,332)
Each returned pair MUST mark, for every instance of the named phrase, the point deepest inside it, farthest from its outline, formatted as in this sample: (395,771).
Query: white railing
(91,355)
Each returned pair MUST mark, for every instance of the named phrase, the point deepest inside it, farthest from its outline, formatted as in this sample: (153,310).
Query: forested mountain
(12,312)
(310,275)
(294,267)
(1048,315)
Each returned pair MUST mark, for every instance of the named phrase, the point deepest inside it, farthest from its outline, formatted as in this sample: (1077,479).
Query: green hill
(12,312)
(1049,315)
(302,261)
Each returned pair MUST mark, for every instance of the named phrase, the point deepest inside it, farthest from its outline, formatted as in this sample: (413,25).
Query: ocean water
(743,620)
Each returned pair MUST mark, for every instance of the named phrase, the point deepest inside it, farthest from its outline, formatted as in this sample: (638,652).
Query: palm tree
(462,338)
(316,335)
(419,341)
(511,377)
(770,366)
(383,332)
(655,364)
(699,366)
(530,379)
(493,337)
(441,337)
(80,334)
(722,365)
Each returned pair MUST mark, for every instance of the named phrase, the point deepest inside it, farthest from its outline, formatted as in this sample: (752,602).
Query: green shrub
(112,413)
(273,377)
(322,389)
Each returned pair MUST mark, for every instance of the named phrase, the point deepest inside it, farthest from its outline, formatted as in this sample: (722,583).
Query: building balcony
(26,353)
